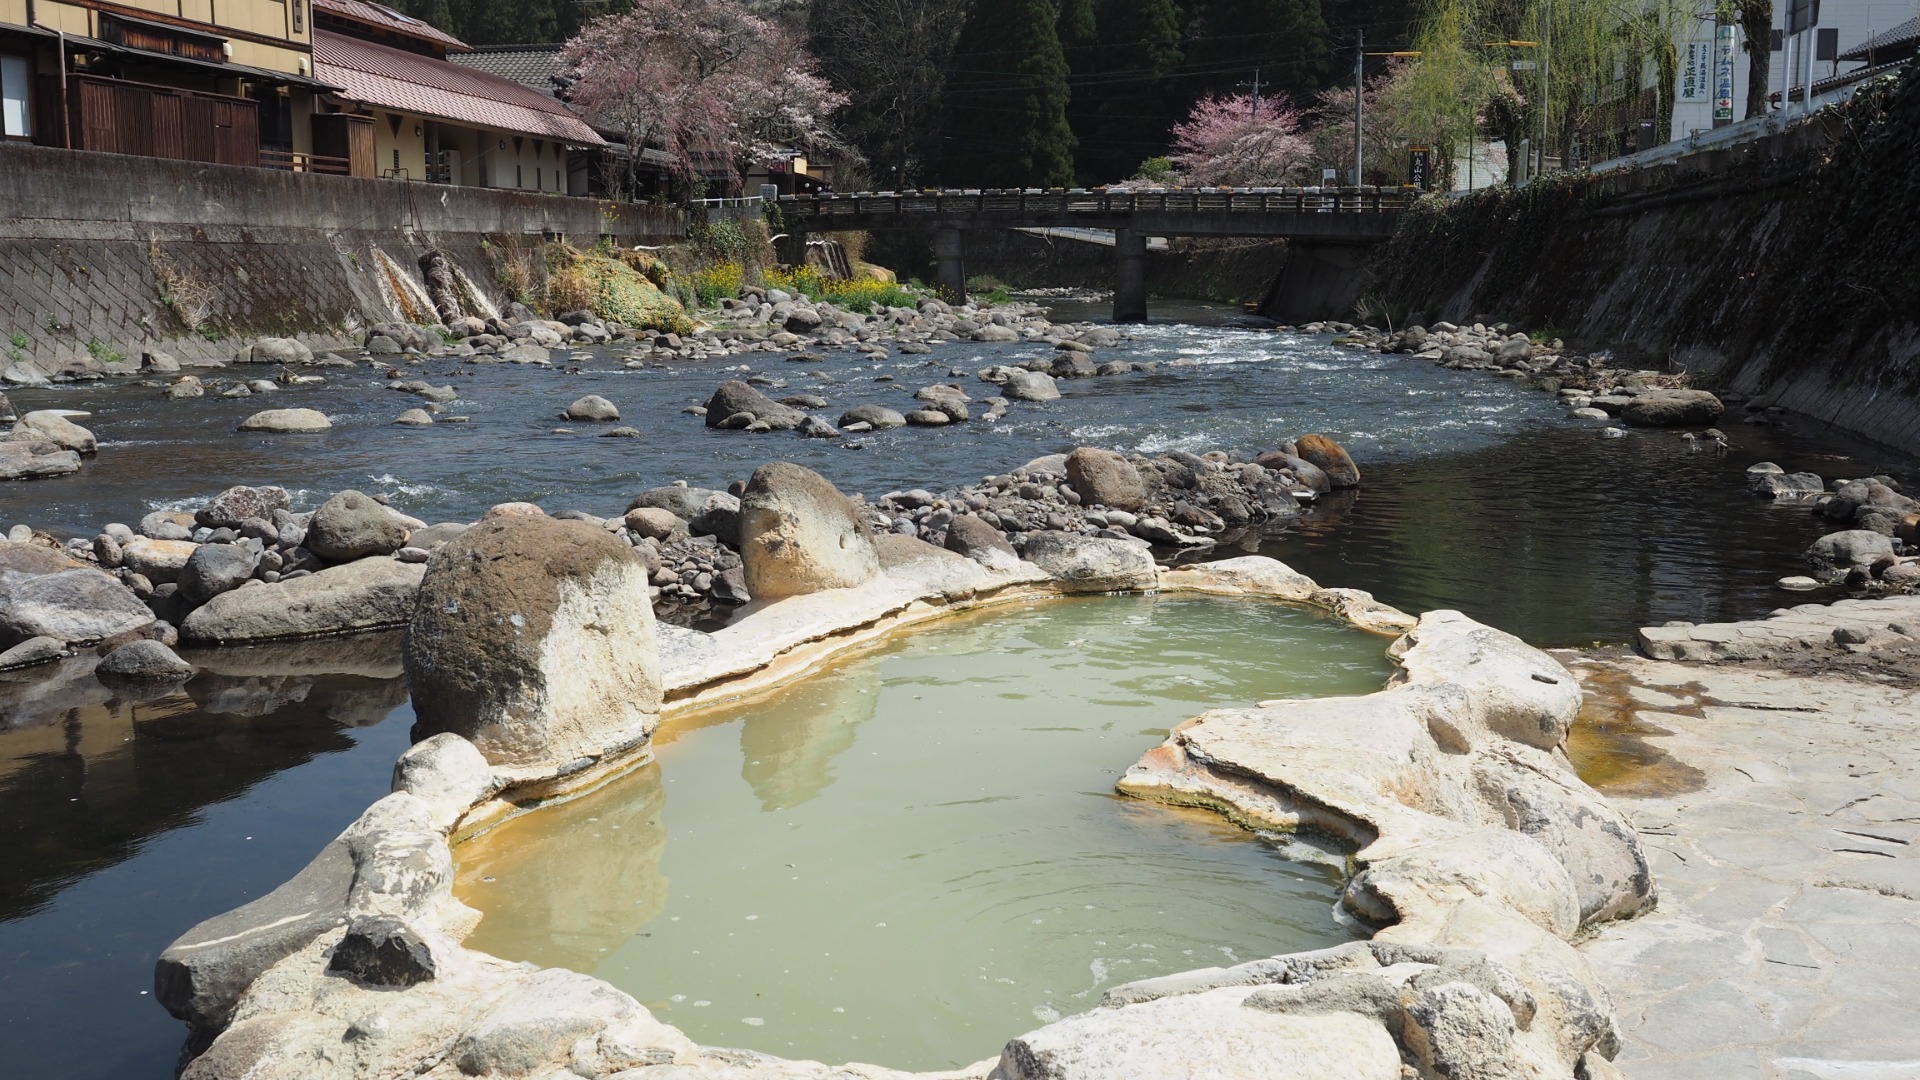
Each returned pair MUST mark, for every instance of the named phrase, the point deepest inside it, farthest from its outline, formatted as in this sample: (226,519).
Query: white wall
(1857,20)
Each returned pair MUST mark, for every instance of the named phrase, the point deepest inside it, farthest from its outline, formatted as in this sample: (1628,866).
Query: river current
(124,823)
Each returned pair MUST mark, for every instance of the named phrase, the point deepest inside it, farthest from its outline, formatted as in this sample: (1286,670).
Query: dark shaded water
(123,823)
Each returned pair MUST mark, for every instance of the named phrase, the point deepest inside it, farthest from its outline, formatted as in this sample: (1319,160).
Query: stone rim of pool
(1475,848)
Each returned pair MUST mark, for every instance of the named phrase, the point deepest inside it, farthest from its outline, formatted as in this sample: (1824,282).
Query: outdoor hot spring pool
(917,853)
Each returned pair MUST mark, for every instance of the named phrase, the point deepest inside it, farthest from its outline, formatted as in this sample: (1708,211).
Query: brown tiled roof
(385,18)
(408,82)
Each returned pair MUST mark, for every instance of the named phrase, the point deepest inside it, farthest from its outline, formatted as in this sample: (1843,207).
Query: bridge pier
(1129,276)
(1319,281)
(950,264)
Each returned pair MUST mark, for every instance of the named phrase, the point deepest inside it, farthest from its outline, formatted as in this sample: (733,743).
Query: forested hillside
(1020,91)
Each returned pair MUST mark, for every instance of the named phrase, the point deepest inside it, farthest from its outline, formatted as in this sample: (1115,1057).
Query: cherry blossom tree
(1232,141)
(714,86)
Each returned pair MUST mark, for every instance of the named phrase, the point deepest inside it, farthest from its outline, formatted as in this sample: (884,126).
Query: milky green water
(917,854)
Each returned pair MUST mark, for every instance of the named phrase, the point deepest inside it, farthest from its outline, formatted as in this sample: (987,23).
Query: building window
(519,178)
(16,118)
(540,179)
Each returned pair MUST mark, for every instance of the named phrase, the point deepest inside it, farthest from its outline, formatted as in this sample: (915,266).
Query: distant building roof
(408,82)
(1901,36)
(382,17)
(536,67)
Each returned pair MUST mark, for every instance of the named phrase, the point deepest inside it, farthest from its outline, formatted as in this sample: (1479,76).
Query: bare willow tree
(889,57)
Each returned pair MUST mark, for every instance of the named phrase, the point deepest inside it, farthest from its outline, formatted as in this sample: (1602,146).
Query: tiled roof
(532,66)
(408,82)
(385,18)
(1904,34)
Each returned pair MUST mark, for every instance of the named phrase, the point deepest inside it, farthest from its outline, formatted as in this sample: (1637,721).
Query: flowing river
(127,822)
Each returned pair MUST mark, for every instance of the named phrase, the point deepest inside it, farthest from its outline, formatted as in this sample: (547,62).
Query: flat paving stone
(1786,943)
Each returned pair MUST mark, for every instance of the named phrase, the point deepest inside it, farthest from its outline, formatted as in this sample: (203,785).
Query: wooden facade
(348,138)
(118,117)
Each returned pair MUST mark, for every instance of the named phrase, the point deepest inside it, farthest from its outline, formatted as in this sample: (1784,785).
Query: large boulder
(593,408)
(1031,386)
(34,460)
(734,397)
(1836,552)
(1217,1034)
(232,507)
(144,660)
(1672,408)
(534,639)
(1091,563)
(799,534)
(44,594)
(1330,458)
(879,417)
(287,421)
(213,569)
(353,526)
(678,499)
(1104,478)
(366,595)
(54,427)
(981,542)
(159,561)
(279,350)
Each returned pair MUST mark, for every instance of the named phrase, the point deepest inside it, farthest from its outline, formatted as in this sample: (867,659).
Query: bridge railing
(1054,202)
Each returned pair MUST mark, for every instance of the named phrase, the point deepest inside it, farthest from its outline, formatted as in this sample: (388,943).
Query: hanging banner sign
(1723,73)
(1419,167)
(1696,71)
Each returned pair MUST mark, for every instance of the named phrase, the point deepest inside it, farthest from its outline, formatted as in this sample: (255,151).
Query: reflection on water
(1566,538)
(917,853)
(127,816)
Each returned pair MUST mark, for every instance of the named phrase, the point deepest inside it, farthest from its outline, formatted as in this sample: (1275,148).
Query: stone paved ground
(1787,939)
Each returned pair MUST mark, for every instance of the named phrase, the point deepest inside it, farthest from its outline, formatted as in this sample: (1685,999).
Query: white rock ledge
(1475,846)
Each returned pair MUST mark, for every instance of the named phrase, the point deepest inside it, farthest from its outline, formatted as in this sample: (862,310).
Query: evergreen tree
(1286,40)
(1126,102)
(1005,104)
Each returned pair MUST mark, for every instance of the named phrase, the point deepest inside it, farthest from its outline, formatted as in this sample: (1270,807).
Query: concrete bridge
(1329,229)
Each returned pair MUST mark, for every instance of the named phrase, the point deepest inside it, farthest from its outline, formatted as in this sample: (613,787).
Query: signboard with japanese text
(1419,167)
(1696,71)
(1723,73)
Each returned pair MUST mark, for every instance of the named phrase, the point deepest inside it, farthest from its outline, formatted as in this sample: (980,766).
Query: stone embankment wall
(1781,270)
(103,256)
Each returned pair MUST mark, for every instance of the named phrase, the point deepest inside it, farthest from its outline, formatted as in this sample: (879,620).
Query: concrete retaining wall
(103,256)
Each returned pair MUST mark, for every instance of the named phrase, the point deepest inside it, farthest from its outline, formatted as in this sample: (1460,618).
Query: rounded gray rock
(213,569)
(353,526)
(143,660)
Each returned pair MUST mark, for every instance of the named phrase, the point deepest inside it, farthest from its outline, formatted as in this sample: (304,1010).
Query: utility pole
(1546,93)
(1359,101)
(1255,87)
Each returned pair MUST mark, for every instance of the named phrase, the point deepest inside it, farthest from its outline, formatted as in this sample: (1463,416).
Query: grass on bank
(864,295)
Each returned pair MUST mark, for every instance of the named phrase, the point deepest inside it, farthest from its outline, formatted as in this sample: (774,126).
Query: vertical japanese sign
(1419,167)
(1723,73)
(1696,71)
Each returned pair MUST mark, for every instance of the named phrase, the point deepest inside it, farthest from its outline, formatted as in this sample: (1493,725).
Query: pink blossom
(1231,141)
(706,81)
